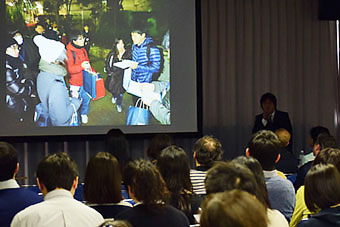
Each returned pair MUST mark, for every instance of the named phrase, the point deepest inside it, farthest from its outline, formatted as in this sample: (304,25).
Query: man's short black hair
(208,149)
(315,131)
(57,171)
(268,96)
(8,161)
(265,147)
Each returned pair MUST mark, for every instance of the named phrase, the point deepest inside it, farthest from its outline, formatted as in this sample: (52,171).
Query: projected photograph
(87,63)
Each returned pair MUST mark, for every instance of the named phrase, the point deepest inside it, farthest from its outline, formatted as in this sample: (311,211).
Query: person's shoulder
(276,218)
(282,113)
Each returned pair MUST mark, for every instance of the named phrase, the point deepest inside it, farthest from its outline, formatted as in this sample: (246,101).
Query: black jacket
(329,217)
(281,120)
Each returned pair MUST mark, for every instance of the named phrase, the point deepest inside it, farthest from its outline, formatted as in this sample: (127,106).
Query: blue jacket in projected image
(147,65)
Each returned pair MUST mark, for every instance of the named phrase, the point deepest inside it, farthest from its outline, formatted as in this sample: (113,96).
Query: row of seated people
(165,192)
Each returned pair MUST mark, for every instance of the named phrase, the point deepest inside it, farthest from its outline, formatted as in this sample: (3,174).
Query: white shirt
(276,219)
(8,184)
(59,209)
(271,116)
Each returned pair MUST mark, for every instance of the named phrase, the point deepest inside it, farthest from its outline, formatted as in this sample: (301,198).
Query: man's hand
(147,87)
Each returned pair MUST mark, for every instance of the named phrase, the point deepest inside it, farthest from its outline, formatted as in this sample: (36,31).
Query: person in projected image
(114,80)
(19,91)
(160,108)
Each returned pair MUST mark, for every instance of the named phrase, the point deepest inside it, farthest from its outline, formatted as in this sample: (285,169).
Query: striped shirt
(197,177)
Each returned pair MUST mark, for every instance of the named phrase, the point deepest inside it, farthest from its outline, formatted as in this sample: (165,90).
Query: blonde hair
(284,136)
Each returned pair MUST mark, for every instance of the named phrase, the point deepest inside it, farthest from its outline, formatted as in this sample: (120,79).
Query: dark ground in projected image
(102,111)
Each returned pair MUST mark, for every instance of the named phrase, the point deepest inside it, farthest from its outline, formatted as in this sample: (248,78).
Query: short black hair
(317,130)
(265,147)
(139,31)
(8,161)
(322,185)
(268,96)
(325,140)
(57,171)
(158,143)
(226,176)
(74,35)
(208,150)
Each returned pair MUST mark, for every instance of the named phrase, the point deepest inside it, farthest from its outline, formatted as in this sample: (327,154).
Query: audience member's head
(256,169)
(57,171)
(265,147)
(103,180)
(207,150)
(328,156)
(268,103)
(284,136)
(233,208)
(117,144)
(226,176)
(324,141)
(174,165)
(158,143)
(145,183)
(9,165)
(77,38)
(113,223)
(322,185)
(314,132)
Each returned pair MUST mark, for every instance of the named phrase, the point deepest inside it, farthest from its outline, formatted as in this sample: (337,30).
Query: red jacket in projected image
(76,56)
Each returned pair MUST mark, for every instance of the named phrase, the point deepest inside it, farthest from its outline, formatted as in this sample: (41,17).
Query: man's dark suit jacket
(281,120)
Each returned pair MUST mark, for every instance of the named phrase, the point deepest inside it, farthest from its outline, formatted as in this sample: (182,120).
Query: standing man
(57,178)
(271,118)
(146,57)
(78,60)
(12,198)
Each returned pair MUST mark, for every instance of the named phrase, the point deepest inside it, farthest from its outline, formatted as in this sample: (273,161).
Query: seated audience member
(308,155)
(265,147)
(207,150)
(322,141)
(322,193)
(158,143)
(233,208)
(12,198)
(229,176)
(51,87)
(112,223)
(301,212)
(148,189)
(102,188)
(174,165)
(271,118)
(57,178)
(288,163)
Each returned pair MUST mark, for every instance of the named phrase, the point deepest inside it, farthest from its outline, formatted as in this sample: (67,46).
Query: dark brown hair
(8,161)
(233,208)
(158,143)
(256,169)
(265,147)
(174,165)
(208,150)
(146,183)
(328,156)
(103,179)
(57,171)
(322,185)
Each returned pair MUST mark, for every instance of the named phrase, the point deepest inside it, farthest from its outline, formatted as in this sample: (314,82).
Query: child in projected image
(78,61)
(114,80)
(18,89)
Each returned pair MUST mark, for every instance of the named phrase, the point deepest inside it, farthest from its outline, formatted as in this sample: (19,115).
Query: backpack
(32,56)
(156,75)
